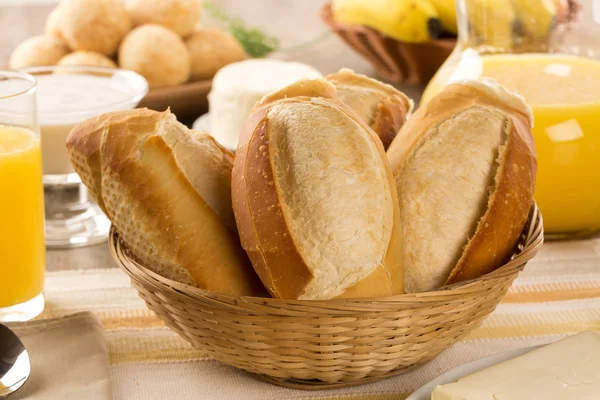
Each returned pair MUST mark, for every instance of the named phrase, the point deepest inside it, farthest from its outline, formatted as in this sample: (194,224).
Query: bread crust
(500,227)
(264,231)
(274,256)
(387,108)
(138,164)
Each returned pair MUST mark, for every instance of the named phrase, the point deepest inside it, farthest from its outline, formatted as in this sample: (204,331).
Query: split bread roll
(465,169)
(384,108)
(314,198)
(167,190)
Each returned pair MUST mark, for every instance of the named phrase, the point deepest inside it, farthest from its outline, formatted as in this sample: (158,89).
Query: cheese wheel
(238,86)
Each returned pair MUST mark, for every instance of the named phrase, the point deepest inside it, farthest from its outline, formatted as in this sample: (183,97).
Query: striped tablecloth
(558,294)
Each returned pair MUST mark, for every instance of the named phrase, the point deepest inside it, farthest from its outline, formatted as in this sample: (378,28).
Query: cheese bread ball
(94,25)
(180,16)
(52,24)
(38,50)
(210,50)
(157,53)
(88,58)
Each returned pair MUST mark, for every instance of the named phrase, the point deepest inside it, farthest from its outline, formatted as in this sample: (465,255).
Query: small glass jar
(548,51)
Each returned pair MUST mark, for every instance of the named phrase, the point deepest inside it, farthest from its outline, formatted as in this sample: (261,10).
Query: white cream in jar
(66,98)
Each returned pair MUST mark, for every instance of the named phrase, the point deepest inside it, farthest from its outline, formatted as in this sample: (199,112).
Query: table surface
(328,54)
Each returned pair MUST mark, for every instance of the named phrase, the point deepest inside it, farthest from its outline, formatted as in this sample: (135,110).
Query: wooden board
(187,101)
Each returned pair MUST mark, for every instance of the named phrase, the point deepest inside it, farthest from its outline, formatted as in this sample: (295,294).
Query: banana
(446,10)
(492,22)
(537,17)
(406,20)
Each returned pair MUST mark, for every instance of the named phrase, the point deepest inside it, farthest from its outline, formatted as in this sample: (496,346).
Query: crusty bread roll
(181,16)
(37,50)
(210,50)
(88,58)
(465,171)
(93,25)
(314,198)
(156,53)
(168,192)
(383,107)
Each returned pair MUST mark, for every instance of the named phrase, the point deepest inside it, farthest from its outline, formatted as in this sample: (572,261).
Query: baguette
(384,108)
(314,198)
(465,169)
(168,193)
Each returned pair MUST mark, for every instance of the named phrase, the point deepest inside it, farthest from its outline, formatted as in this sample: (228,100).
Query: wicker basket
(400,62)
(327,344)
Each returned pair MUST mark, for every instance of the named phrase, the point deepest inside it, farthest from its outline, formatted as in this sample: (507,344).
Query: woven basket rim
(532,240)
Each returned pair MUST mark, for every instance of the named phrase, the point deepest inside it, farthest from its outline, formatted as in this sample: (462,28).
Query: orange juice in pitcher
(563,91)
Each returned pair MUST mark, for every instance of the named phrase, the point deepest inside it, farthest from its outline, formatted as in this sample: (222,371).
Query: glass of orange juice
(22,251)
(549,52)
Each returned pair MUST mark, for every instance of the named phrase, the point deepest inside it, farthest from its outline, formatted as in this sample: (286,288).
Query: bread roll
(36,51)
(384,108)
(465,169)
(180,16)
(168,193)
(52,27)
(93,25)
(88,58)
(314,199)
(156,53)
(210,50)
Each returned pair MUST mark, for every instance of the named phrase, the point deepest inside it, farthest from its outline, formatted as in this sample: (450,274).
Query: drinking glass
(549,52)
(22,257)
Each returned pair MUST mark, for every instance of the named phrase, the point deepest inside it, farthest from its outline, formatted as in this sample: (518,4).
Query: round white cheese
(237,87)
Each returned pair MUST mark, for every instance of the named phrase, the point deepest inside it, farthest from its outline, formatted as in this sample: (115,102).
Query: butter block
(566,370)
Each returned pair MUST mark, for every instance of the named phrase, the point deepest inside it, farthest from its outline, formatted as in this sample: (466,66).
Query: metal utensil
(14,362)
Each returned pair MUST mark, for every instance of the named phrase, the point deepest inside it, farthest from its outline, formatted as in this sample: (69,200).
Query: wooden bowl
(321,344)
(400,62)
(186,101)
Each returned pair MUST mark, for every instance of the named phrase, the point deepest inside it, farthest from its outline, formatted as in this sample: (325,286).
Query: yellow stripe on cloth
(160,346)
(541,291)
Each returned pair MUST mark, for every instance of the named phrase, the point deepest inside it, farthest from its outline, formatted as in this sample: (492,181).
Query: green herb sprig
(255,42)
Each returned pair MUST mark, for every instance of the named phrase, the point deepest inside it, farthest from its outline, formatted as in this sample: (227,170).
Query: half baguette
(314,198)
(465,169)
(167,190)
(383,107)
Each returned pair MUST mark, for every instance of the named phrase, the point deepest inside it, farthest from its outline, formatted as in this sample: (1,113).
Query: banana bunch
(538,18)
(446,10)
(519,25)
(503,24)
(492,22)
(410,21)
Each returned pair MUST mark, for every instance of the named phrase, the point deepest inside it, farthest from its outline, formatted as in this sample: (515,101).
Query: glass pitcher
(549,52)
